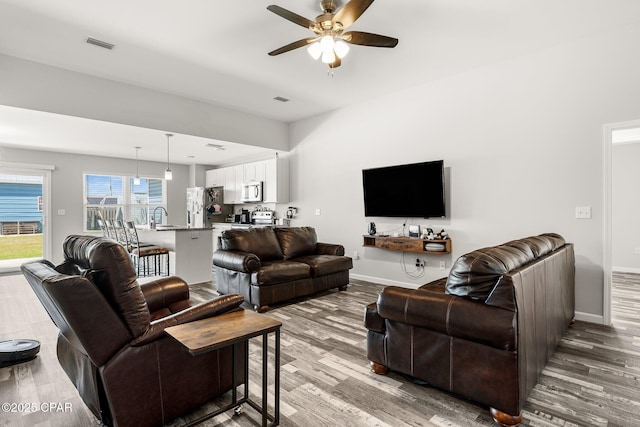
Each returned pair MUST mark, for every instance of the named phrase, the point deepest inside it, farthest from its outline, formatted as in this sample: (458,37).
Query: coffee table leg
(276,403)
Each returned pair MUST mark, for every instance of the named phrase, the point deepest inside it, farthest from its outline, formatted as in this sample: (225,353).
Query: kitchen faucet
(152,224)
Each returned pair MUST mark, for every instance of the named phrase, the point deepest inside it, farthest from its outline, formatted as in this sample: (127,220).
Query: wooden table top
(219,331)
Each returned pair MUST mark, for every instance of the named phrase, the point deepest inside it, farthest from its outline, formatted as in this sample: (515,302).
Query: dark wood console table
(406,244)
(231,329)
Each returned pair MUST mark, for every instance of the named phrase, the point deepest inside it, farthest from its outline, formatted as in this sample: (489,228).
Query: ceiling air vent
(281,99)
(100,43)
(215,146)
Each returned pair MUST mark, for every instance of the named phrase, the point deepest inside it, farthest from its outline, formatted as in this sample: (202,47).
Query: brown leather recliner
(112,343)
(487,331)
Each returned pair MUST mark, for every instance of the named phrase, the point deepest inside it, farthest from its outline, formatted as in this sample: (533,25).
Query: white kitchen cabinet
(215,177)
(276,182)
(254,171)
(234,176)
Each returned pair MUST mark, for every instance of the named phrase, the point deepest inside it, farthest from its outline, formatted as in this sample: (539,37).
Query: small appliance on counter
(263,218)
(245,217)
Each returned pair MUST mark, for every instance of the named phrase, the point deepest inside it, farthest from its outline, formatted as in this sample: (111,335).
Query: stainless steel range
(263,218)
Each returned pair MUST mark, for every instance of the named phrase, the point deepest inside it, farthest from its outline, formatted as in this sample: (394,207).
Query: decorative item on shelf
(168,175)
(414,231)
(428,233)
(291,212)
(372,229)
(443,235)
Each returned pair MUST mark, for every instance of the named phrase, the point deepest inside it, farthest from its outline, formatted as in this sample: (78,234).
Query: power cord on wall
(415,274)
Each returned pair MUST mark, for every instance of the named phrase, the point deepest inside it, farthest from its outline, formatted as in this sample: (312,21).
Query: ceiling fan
(330,40)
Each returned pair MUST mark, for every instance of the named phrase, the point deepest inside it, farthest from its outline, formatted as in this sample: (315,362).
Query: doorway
(24,235)
(622,225)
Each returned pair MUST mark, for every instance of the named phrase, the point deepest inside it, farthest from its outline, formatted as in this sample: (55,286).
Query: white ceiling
(216,52)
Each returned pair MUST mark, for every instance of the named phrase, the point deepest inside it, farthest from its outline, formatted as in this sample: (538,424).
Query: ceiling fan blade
(290,16)
(351,12)
(292,46)
(369,39)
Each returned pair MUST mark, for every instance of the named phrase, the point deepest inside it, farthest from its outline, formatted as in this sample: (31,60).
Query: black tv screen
(414,190)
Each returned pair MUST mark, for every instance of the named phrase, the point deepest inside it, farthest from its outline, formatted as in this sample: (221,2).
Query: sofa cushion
(273,272)
(321,265)
(259,241)
(475,274)
(297,241)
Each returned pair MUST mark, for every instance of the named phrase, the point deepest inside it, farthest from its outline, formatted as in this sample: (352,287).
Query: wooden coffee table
(231,329)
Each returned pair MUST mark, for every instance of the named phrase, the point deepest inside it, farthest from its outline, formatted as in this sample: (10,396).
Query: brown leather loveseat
(271,265)
(112,343)
(487,331)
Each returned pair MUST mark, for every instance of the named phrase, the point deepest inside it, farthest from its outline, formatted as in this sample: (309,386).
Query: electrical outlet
(356,255)
(419,263)
(442,265)
(637,251)
(583,212)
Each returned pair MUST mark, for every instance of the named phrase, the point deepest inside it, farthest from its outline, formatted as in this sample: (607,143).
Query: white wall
(625,228)
(523,141)
(34,86)
(67,187)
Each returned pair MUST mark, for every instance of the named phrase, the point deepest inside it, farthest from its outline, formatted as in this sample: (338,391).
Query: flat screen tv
(414,190)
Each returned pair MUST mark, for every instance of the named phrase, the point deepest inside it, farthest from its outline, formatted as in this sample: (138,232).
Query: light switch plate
(583,212)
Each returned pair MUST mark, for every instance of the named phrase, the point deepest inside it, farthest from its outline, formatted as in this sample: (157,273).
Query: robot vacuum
(17,351)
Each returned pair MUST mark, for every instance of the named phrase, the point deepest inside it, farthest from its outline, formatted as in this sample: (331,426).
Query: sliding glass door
(23,216)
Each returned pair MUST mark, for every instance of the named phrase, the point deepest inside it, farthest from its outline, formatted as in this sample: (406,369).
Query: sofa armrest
(223,304)
(329,249)
(372,319)
(243,262)
(451,315)
(165,291)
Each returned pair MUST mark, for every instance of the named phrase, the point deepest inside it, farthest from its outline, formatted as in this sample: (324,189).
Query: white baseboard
(386,282)
(590,318)
(625,270)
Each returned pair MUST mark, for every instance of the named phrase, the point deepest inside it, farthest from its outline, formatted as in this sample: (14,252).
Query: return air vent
(100,43)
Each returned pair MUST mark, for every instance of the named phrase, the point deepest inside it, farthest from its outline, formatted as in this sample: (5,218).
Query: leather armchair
(112,343)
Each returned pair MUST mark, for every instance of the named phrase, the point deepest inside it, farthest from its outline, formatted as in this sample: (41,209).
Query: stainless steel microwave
(251,191)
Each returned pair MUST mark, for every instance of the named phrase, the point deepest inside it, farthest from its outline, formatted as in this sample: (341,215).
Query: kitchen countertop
(173,228)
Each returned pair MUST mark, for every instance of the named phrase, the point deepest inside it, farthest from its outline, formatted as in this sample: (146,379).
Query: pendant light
(136,180)
(168,175)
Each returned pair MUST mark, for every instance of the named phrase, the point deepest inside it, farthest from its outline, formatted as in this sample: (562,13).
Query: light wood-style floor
(593,379)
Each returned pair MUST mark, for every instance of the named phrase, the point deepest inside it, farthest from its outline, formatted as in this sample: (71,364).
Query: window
(117,197)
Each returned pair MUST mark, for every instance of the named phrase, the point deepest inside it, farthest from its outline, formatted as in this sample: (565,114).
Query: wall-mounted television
(413,190)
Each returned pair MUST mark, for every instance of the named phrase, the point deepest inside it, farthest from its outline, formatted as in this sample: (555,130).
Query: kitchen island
(191,249)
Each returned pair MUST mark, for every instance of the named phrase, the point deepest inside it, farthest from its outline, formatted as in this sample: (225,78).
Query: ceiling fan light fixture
(315,50)
(341,49)
(327,43)
(328,57)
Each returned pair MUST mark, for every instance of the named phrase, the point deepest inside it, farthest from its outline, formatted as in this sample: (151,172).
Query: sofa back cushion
(474,275)
(297,241)
(261,242)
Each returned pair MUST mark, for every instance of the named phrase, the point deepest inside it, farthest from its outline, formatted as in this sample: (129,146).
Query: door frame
(45,172)
(608,212)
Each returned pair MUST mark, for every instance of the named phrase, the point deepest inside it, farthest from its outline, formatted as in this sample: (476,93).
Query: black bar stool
(144,255)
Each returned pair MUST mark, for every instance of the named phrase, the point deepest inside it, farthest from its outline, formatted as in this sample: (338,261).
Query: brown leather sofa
(487,331)
(271,265)
(112,343)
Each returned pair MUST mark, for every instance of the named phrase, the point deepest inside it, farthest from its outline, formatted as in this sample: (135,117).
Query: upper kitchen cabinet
(215,177)
(234,176)
(255,171)
(276,182)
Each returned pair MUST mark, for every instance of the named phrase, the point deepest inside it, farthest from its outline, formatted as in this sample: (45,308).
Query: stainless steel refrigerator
(205,206)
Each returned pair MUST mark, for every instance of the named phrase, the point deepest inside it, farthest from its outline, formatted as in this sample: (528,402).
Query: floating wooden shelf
(406,244)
